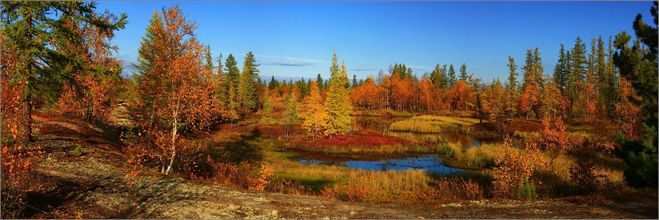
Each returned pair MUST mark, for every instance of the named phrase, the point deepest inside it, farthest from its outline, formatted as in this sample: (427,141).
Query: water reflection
(429,163)
(381,124)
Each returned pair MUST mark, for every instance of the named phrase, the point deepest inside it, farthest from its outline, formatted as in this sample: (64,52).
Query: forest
(81,140)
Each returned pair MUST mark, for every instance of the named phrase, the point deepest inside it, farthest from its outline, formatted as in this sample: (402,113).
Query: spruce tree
(209,59)
(451,76)
(33,29)
(437,77)
(576,77)
(638,64)
(561,71)
(464,76)
(248,93)
(229,87)
(319,81)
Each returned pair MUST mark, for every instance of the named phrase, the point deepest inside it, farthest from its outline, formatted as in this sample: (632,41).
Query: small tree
(173,86)
(267,103)
(290,112)
(337,104)
(315,120)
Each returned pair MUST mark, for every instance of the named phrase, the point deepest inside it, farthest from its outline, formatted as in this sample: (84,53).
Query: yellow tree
(315,118)
(337,104)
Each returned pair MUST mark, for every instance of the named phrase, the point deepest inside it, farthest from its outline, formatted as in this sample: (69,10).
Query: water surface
(429,163)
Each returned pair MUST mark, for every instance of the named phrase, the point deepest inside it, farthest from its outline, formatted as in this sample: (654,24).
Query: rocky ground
(94,184)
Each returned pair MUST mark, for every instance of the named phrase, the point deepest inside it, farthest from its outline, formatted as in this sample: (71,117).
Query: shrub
(353,193)
(17,165)
(526,191)
(243,175)
(584,176)
(76,151)
(512,167)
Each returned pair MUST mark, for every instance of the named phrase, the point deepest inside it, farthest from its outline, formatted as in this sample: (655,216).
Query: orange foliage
(243,175)
(173,90)
(627,115)
(513,167)
(461,96)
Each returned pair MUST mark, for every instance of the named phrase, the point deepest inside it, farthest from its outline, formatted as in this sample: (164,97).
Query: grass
(408,186)
(433,124)
(472,158)
(382,113)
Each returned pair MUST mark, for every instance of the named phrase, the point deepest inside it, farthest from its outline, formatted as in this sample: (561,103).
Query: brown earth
(95,185)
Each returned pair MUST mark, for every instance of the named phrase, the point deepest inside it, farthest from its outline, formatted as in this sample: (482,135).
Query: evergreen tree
(531,94)
(354,80)
(337,104)
(438,78)
(33,29)
(230,85)
(512,88)
(273,83)
(464,76)
(638,64)
(247,89)
(451,76)
(539,70)
(209,59)
(561,70)
(576,78)
(319,81)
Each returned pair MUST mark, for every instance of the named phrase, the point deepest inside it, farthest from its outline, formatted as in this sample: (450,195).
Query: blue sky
(296,39)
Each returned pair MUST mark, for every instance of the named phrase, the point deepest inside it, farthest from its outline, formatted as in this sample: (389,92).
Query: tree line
(57,55)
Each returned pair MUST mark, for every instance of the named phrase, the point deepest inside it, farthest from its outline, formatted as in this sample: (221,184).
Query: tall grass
(417,126)
(474,157)
(433,124)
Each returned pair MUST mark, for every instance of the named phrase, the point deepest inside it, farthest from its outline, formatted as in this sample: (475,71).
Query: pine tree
(512,88)
(451,76)
(33,29)
(354,80)
(438,78)
(209,59)
(464,76)
(337,104)
(229,87)
(247,86)
(531,94)
(320,82)
(638,64)
(315,120)
(561,70)
(539,70)
(273,84)
(576,78)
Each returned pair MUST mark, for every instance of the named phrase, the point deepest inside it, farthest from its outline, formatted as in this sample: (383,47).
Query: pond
(381,124)
(428,163)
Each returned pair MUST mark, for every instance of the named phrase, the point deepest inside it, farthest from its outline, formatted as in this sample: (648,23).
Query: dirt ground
(95,185)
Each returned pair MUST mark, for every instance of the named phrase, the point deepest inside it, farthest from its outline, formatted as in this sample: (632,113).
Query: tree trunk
(174,131)
(27,136)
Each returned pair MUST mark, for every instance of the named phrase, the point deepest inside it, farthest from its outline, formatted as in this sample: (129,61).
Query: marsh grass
(433,124)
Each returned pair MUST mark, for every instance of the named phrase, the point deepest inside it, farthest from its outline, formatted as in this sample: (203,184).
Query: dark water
(381,124)
(429,163)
